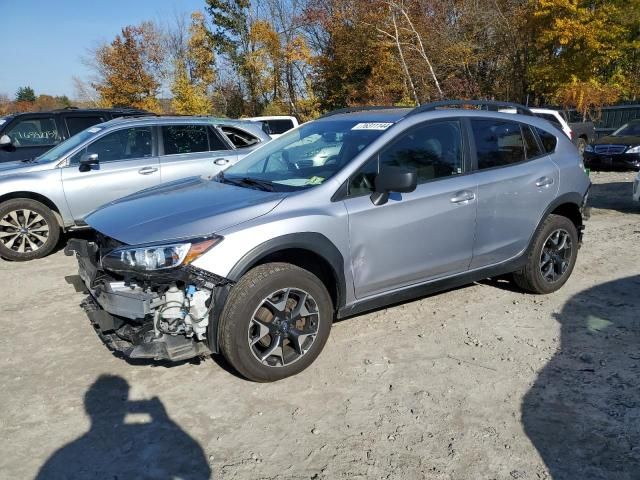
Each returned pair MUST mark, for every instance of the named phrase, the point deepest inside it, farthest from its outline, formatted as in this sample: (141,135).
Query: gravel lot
(481,382)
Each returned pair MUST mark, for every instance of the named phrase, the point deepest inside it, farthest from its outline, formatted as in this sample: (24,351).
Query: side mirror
(87,161)
(5,141)
(393,179)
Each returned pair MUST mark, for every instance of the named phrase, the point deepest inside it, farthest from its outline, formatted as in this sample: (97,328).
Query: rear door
(31,135)
(516,181)
(193,150)
(127,163)
(415,236)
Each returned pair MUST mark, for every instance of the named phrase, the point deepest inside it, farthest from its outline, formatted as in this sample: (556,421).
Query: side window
(548,140)
(34,132)
(215,143)
(119,145)
(498,142)
(433,150)
(239,137)
(530,143)
(185,139)
(278,126)
(77,124)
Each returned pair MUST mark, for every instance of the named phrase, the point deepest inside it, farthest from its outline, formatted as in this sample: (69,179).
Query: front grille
(610,149)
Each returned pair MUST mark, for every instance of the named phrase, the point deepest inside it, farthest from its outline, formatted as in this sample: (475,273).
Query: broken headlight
(144,258)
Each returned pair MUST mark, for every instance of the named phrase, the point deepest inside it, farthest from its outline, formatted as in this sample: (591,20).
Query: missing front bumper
(124,313)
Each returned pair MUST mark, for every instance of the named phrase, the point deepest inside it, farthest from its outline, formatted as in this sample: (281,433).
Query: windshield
(60,150)
(304,157)
(631,129)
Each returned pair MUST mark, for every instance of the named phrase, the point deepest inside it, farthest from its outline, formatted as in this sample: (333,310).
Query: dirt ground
(481,382)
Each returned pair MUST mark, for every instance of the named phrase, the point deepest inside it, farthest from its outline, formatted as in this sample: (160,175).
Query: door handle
(465,196)
(544,182)
(147,170)
(221,161)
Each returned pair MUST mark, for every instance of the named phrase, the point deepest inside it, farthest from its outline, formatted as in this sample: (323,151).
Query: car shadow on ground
(583,411)
(613,196)
(127,439)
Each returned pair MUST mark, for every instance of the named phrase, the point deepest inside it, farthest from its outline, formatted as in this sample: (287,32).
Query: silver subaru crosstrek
(54,192)
(257,262)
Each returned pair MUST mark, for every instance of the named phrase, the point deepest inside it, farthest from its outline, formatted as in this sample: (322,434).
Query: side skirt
(417,291)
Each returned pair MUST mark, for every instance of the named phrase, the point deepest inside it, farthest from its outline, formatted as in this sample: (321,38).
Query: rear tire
(275,322)
(28,230)
(551,258)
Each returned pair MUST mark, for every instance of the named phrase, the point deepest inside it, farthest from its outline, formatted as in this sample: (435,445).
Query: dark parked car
(621,149)
(24,136)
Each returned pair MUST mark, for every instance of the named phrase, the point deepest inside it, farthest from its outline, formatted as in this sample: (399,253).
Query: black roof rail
(357,109)
(491,105)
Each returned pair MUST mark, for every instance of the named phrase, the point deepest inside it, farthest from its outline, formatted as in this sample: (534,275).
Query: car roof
(372,115)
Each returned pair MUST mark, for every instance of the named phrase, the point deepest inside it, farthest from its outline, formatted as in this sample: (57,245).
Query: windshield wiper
(265,185)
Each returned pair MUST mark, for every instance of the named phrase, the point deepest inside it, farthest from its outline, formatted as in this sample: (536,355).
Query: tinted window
(120,145)
(185,139)
(530,142)
(240,138)
(77,124)
(433,150)
(279,126)
(498,143)
(548,140)
(34,132)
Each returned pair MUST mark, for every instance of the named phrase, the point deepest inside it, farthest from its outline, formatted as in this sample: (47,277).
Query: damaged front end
(159,313)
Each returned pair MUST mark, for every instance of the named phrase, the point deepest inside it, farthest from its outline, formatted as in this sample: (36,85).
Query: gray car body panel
(74,194)
(365,234)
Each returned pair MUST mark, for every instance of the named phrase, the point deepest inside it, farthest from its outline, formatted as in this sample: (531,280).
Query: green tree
(25,94)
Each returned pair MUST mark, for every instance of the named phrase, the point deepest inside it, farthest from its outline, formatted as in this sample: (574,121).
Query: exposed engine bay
(163,315)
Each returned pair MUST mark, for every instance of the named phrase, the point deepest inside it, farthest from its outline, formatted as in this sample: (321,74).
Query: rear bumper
(122,313)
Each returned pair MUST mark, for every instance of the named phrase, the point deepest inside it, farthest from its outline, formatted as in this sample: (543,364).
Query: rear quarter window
(239,137)
(549,140)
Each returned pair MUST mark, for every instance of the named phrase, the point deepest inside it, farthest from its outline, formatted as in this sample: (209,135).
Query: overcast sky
(43,40)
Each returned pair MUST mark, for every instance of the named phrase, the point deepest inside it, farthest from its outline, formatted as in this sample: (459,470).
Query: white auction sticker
(94,130)
(372,126)
(2,121)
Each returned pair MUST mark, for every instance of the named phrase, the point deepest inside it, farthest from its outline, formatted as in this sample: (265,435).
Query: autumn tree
(130,68)
(194,71)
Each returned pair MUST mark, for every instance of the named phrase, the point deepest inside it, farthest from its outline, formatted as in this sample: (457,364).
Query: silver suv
(55,192)
(256,263)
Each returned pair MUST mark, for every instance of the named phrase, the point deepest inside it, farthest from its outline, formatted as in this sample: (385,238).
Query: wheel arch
(38,198)
(567,205)
(308,250)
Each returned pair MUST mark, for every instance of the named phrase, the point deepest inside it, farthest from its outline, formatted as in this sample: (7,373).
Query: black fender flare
(311,241)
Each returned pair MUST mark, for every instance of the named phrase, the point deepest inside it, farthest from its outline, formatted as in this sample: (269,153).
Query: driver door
(127,163)
(416,236)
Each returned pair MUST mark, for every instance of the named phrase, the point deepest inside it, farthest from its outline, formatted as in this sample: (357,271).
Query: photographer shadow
(583,411)
(127,439)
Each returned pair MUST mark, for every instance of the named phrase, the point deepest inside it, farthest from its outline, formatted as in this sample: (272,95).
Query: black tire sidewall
(47,214)
(554,222)
(243,300)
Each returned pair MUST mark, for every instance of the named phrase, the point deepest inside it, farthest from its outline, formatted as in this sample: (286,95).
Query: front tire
(28,230)
(551,258)
(275,322)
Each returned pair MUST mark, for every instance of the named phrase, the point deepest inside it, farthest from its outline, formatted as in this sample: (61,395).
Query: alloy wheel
(23,230)
(283,327)
(556,255)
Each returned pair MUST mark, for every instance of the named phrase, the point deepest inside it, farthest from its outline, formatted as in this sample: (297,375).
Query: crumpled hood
(186,208)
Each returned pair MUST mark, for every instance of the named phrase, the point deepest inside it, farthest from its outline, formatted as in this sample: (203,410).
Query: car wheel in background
(275,322)
(551,258)
(28,230)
